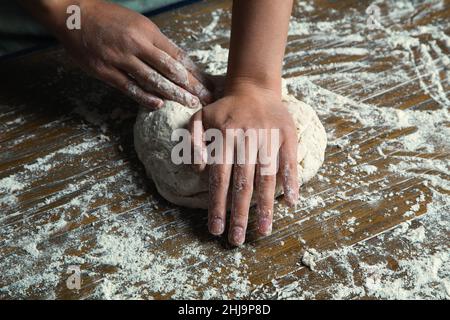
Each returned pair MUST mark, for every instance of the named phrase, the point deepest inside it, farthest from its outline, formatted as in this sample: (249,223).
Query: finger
(195,127)
(150,80)
(176,72)
(242,194)
(167,45)
(289,176)
(265,185)
(120,81)
(219,181)
(243,177)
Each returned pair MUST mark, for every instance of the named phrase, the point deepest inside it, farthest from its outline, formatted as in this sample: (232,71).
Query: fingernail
(237,236)
(291,202)
(216,226)
(151,103)
(159,104)
(265,226)
(152,107)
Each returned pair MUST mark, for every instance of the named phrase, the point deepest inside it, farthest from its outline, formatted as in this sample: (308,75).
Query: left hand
(127,51)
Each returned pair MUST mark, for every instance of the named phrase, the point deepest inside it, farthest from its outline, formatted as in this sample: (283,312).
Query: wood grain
(48,106)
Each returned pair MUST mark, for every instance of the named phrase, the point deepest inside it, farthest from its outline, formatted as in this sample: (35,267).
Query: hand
(249,108)
(129,52)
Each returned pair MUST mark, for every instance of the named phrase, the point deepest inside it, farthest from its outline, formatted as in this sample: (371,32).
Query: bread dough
(179,184)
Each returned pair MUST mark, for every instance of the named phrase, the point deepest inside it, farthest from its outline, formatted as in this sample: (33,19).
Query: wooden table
(81,198)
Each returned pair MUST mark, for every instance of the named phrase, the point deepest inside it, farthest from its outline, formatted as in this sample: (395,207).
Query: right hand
(247,106)
(128,51)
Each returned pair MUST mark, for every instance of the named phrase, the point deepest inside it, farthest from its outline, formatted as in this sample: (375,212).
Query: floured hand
(126,50)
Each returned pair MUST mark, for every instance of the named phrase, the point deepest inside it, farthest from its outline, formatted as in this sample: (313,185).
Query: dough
(179,184)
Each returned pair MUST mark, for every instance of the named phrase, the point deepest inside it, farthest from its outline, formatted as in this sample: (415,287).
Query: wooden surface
(47,105)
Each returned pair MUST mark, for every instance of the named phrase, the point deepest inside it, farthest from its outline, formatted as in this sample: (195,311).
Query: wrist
(237,86)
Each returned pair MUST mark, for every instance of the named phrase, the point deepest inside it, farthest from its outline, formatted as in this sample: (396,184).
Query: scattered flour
(310,258)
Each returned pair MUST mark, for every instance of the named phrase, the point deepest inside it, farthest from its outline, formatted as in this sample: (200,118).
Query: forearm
(50,13)
(258,41)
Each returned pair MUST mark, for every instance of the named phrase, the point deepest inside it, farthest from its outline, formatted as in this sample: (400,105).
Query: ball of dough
(179,184)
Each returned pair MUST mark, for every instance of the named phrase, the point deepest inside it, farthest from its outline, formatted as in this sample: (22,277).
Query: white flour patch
(215,59)
(10,184)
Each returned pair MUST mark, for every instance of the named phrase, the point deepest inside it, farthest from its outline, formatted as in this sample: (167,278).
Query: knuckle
(102,73)
(242,184)
(265,124)
(133,37)
(96,66)
(290,133)
(145,22)
(227,125)
(172,70)
(214,212)
(178,54)
(128,87)
(266,179)
(216,181)
(109,55)
(239,218)
(264,211)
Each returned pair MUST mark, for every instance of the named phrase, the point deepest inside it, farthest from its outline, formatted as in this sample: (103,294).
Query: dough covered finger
(288,172)
(151,80)
(176,72)
(243,176)
(129,87)
(199,155)
(219,180)
(265,190)
(168,46)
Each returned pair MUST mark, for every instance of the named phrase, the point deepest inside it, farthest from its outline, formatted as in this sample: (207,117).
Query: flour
(216,66)
(310,258)
(210,28)
(9,188)
(129,248)
(417,235)
(367,168)
(10,184)
(430,125)
(423,271)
